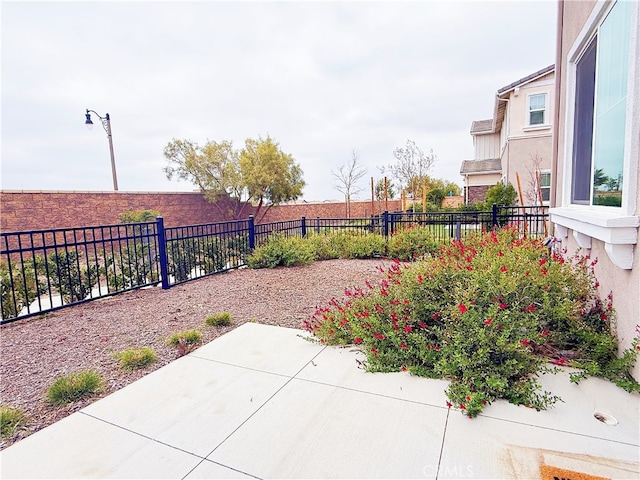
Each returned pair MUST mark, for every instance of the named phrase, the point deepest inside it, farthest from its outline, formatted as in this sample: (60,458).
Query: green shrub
(188,337)
(367,245)
(74,386)
(10,420)
(489,314)
(412,243)
(220,319)
(281,251)
(136,358)
(139,216)
(327,246)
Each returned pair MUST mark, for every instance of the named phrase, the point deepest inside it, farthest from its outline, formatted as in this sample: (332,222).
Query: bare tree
(346,177)
(411,167)
(531,185)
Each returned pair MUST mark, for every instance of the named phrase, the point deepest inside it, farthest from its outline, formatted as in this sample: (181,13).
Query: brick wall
(476,193)
(34,210)
(39,210)
(327,210)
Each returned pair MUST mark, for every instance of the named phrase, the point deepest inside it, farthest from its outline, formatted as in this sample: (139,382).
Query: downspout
(556,112)
(506,139)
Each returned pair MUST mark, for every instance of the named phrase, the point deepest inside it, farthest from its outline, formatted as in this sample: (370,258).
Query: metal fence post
(494,215)
(458,229)
(304,226)
(162,253)
(252,233)
(385,222)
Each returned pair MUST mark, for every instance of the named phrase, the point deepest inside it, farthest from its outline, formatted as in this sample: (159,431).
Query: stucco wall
(624,284)
(519,158)
(518,124)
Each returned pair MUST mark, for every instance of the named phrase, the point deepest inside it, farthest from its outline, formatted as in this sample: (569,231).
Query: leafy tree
(139,216)
(269,175)
(347,176)
(599,177)
(379,190)
(501,194)
(259,173)
(411,167)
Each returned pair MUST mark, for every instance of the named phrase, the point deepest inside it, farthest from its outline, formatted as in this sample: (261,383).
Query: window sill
(618,232)
(533,128)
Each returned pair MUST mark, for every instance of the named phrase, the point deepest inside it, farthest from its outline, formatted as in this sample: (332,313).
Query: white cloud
(319,77)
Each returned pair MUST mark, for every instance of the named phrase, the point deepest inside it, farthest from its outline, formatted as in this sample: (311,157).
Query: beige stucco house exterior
(517,140)
(596,155)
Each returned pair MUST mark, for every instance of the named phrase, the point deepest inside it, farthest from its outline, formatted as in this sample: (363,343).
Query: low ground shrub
(10,420)
(220,319)
(136,358)
(412,243)
(185,341)
(489,314)
(280,250)
(74,386)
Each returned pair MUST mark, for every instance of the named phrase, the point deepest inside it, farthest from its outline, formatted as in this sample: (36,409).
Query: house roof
(478,167)
(526,79)
(481,126)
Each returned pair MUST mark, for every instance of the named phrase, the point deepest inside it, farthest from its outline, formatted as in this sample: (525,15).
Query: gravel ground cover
(37,350)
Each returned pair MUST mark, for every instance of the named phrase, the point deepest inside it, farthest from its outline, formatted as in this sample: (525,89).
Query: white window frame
(545,172)
(617,227)
(544,109)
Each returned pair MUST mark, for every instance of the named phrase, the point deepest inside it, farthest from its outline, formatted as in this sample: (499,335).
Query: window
(600,112)
(545,186)
(601,151)
(537,106)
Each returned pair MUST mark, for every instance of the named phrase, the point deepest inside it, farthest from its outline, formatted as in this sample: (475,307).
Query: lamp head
(88,121)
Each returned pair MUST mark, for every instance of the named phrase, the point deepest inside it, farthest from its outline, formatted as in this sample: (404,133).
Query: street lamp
(106,124)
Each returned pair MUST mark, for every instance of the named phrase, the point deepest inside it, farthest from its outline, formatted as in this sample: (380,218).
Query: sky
(322,78)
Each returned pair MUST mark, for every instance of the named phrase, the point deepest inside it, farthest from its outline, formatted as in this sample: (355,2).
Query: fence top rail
(76,229)
(203,225)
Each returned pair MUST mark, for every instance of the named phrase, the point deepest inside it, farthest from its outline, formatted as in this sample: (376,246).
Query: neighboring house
(596,161)
(516,140)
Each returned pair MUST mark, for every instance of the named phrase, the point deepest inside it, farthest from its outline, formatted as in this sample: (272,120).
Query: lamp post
(106,124)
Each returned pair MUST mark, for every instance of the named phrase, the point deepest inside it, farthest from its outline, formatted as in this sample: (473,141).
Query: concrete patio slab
(261,402)
(310,430)
(191,404)
(80,446)
(342,367)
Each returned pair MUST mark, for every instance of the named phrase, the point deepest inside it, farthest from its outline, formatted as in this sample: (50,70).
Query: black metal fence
(46,270)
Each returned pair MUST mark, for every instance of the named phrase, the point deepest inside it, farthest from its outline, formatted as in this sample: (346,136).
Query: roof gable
(477,167)
(482,126)
(527,79)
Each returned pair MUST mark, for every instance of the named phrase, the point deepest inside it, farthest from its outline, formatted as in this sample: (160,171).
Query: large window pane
(610,105)
(583,125)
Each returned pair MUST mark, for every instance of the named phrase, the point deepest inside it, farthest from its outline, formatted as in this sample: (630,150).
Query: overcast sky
(321,78)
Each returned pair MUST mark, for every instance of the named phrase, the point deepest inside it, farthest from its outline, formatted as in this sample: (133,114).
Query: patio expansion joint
(290,378)
(222,465)
(444,437)
(141,435)
(229,364)
(630,444)
(357,390)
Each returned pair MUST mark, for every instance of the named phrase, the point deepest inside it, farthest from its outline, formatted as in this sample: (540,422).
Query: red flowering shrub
(489,314)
